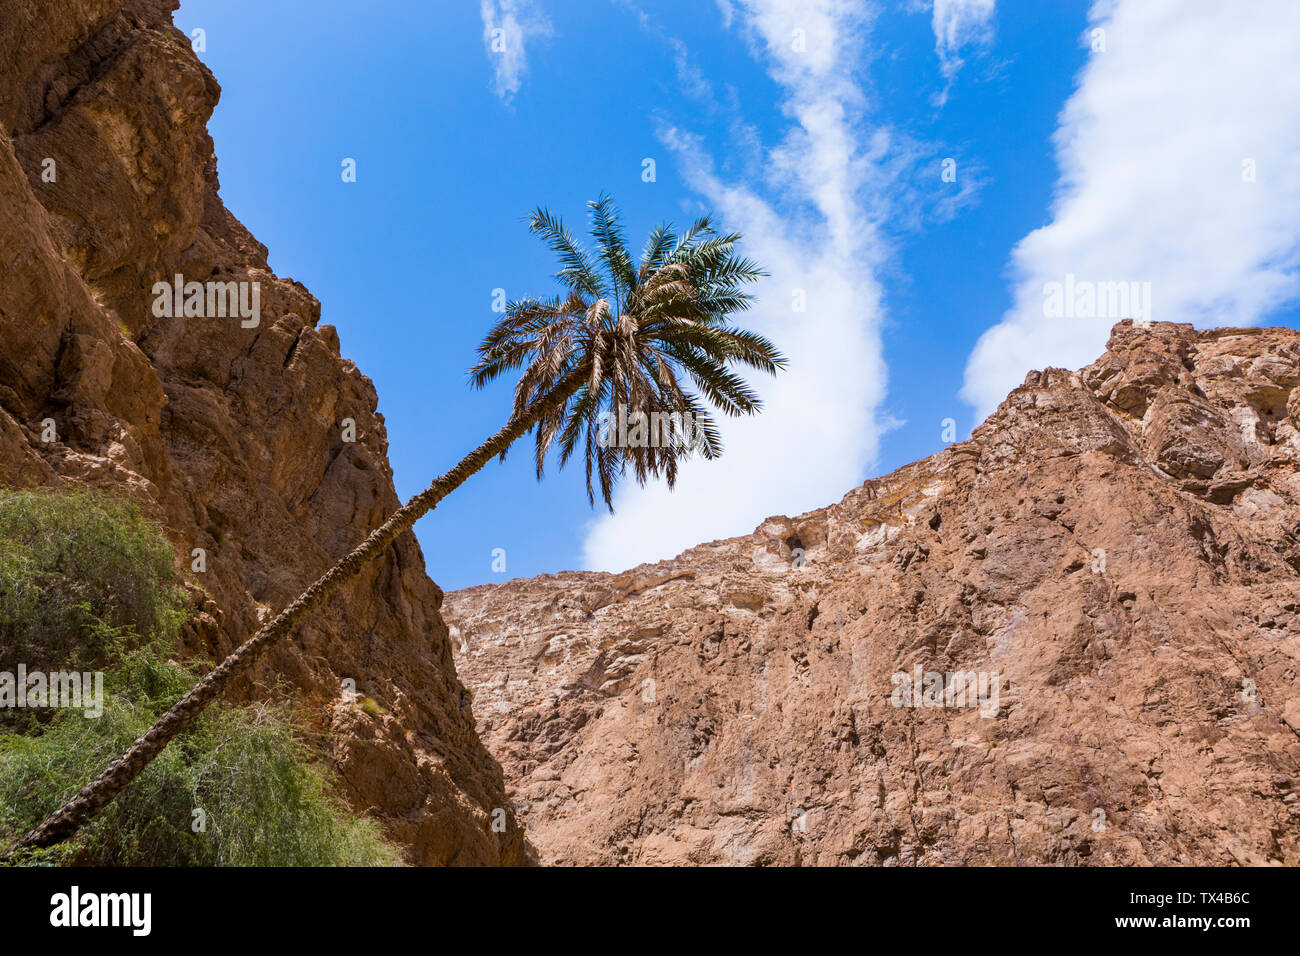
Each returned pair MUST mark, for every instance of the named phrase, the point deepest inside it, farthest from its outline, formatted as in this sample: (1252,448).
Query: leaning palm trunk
(630,337)
(100,792)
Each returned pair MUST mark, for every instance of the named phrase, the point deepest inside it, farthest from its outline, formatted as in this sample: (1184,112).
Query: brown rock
(230,435)
(1117,545)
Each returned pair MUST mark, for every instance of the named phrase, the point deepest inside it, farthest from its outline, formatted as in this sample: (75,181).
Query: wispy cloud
(507,27)
(810,218)
(1178,167)
(690,78)
(958,24)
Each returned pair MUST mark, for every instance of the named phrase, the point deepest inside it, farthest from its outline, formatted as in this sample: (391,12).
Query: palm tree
(621,339)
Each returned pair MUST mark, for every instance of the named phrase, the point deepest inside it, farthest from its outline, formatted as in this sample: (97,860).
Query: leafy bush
(71,559)
(262,799)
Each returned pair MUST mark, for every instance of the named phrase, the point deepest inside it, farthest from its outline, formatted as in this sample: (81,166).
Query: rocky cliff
(1111,561)
(1071,639)
(231,433)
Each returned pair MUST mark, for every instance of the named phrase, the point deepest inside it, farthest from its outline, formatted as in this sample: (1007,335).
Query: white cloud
(957,24)
(1152,148)
(811,225)
(690,78)
(507,24)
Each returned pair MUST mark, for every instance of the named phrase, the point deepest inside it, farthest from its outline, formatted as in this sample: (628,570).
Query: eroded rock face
(232,436)
(1118,545)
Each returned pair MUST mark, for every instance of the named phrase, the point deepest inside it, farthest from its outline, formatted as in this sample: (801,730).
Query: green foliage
(648,337)
(264,800)
(69,560)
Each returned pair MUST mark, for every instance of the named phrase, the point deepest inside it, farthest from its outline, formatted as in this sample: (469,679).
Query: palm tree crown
(628,339)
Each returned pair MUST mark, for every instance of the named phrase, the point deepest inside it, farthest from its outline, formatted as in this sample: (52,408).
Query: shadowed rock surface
(1119,545)
(231,436)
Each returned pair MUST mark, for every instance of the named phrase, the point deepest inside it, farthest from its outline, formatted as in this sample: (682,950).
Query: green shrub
(263,799)
(70,559)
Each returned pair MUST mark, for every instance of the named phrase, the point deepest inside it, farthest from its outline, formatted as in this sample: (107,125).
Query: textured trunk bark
(100,792)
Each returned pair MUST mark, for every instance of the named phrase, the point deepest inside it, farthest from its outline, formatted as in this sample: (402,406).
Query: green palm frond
(606,229)
(628,339)
(577,272)
(658,246)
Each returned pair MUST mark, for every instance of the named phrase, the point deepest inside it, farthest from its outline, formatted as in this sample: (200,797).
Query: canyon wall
(231,436)
(1115,551)
(1116,547)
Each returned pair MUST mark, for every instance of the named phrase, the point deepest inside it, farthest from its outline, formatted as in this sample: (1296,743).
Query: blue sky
(819,128)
